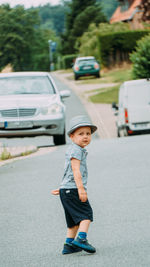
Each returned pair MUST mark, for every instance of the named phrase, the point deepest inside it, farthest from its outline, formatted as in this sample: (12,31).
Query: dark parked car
(85,66)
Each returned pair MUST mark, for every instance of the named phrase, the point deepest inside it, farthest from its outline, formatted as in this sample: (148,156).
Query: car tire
(76,77)
(126,132)
(59,139)
(98,75)
(118,133)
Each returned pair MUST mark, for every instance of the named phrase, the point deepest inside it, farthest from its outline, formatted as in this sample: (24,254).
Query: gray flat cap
(80,121)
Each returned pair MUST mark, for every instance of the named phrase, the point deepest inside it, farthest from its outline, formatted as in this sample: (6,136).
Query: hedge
(67,61)
(118,44)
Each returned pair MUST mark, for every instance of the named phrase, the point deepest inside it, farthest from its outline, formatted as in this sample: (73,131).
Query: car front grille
(21,112)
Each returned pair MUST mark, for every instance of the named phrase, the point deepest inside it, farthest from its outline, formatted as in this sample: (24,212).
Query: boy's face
(81,136)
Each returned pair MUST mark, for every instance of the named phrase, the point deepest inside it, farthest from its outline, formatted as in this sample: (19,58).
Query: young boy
(73,189)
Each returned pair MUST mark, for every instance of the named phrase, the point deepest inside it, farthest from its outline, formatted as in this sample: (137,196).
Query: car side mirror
(64,93)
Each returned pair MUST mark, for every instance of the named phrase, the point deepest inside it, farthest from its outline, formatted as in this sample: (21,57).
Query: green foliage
(88,43)
(68,60)
(110,43)
(90,14)
(53,17)
(76,7)
(81,14)
(5,154)
(16,36)
(23,43)
(108,6)
(141,58)
(118,44)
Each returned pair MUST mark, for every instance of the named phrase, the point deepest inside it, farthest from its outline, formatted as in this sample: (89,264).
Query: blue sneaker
(83,243)
(69,248)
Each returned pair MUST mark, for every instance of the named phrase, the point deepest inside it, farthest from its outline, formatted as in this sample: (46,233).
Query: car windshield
(25,85)
(86,61)
(139,94)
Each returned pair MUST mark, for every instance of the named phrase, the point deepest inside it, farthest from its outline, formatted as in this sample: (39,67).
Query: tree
(108,6)
(141,59)
(23,43)
(53,17)
(16,36)
(77,21)
(88,43)
(83,20)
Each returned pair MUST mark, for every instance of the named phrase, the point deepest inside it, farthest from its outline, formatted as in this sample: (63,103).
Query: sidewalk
(7,153)
(100,114)
(17,153)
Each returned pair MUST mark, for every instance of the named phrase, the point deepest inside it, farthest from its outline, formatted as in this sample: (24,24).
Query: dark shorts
(75,210)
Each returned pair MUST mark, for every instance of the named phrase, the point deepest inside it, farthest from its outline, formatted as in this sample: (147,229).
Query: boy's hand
(82,195)
(55,192)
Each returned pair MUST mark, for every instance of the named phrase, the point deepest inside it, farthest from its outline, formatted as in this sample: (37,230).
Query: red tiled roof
(126,15)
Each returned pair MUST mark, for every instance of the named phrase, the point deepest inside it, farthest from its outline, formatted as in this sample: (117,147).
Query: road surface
(32,224)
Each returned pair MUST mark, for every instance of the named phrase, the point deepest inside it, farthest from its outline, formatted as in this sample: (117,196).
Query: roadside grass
(107,96)
(119,75)
(116,75)
(5,154)
(66,71)
(110,94)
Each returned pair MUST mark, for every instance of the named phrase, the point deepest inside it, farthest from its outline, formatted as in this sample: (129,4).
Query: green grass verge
(111,76)
(110,95)
(119,75)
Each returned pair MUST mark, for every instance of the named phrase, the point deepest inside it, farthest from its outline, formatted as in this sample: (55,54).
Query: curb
(12,152)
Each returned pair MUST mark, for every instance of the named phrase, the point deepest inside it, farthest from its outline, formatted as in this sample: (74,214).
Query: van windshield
(139,94)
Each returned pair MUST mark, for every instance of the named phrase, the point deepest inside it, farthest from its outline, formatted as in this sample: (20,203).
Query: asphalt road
(32,224)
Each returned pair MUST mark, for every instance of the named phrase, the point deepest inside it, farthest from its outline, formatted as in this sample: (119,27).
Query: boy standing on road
(73,189)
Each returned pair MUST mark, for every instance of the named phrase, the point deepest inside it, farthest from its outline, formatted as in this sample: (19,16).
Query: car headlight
(53,109)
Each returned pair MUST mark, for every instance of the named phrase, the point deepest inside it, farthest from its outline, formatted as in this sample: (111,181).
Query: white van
(134,107)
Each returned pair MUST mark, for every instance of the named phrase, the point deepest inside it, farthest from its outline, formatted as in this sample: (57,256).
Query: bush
(88,43)
(67,61)
(141,58)
(116,46)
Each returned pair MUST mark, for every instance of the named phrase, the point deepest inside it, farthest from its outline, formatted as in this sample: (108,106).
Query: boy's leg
(84,226)
(81,241)
(68,247)
(71,232)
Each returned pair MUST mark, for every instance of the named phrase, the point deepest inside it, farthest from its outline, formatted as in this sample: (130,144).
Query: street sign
(53,46)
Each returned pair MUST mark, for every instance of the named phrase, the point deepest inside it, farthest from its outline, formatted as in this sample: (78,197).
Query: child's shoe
(83,244)
(69,248)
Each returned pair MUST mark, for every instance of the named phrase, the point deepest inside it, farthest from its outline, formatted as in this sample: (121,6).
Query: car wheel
(98,75)
(76,77)
(59,139)
(122,132)
(118,133)
(125,132)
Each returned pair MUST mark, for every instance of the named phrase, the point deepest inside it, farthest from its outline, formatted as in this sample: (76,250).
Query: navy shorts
(75,210)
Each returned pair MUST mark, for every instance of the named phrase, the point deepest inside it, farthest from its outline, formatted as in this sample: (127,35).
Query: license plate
(142,125)
(18,124)
(87,68)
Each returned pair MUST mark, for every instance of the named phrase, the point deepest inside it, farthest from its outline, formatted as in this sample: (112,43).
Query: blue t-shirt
(77,152)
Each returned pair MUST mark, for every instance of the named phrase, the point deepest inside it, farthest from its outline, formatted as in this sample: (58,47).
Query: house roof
(126,15)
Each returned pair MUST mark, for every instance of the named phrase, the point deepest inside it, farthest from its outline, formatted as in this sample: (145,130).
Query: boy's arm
(55,192)
(75,164)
